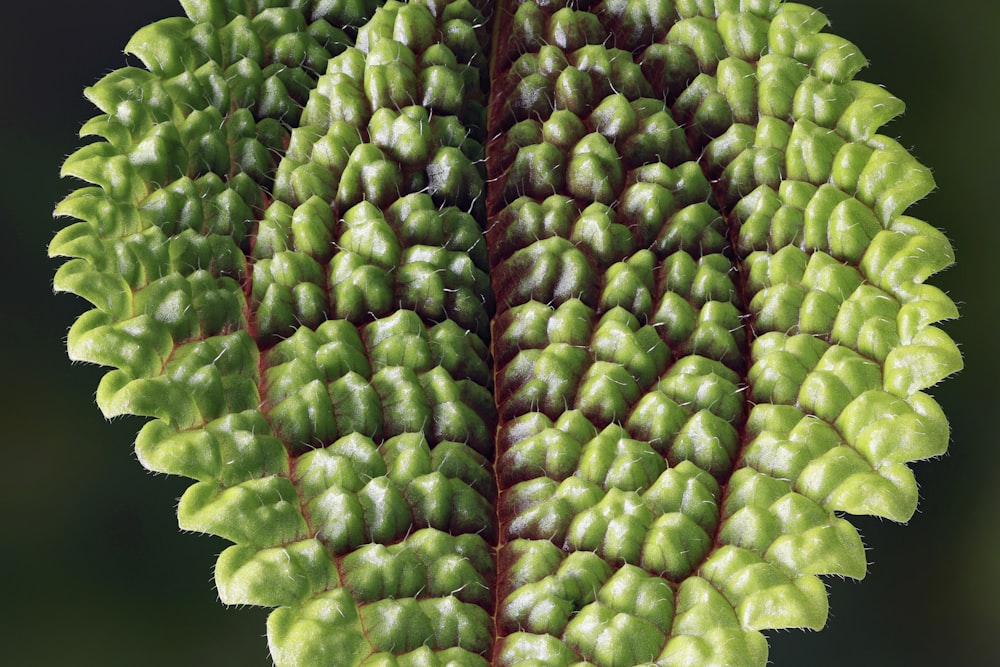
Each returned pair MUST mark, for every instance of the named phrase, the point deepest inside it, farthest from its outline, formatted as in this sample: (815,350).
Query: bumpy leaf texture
(528,333)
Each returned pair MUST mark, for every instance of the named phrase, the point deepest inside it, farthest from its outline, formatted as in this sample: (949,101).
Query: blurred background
(95,571)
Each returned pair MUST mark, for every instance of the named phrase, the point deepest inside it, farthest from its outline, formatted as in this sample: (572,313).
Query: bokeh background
(93,570)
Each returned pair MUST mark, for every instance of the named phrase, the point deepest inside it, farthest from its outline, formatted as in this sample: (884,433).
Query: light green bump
(284,575)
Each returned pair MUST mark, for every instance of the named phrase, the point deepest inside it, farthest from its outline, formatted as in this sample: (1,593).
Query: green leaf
(513,335)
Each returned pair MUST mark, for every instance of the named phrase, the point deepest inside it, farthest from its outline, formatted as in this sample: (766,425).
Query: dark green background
(92,567)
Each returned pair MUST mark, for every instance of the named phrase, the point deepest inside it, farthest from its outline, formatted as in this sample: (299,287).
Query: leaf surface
(519,334)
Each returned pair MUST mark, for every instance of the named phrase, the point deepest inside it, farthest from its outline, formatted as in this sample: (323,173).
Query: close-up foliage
(512,333)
